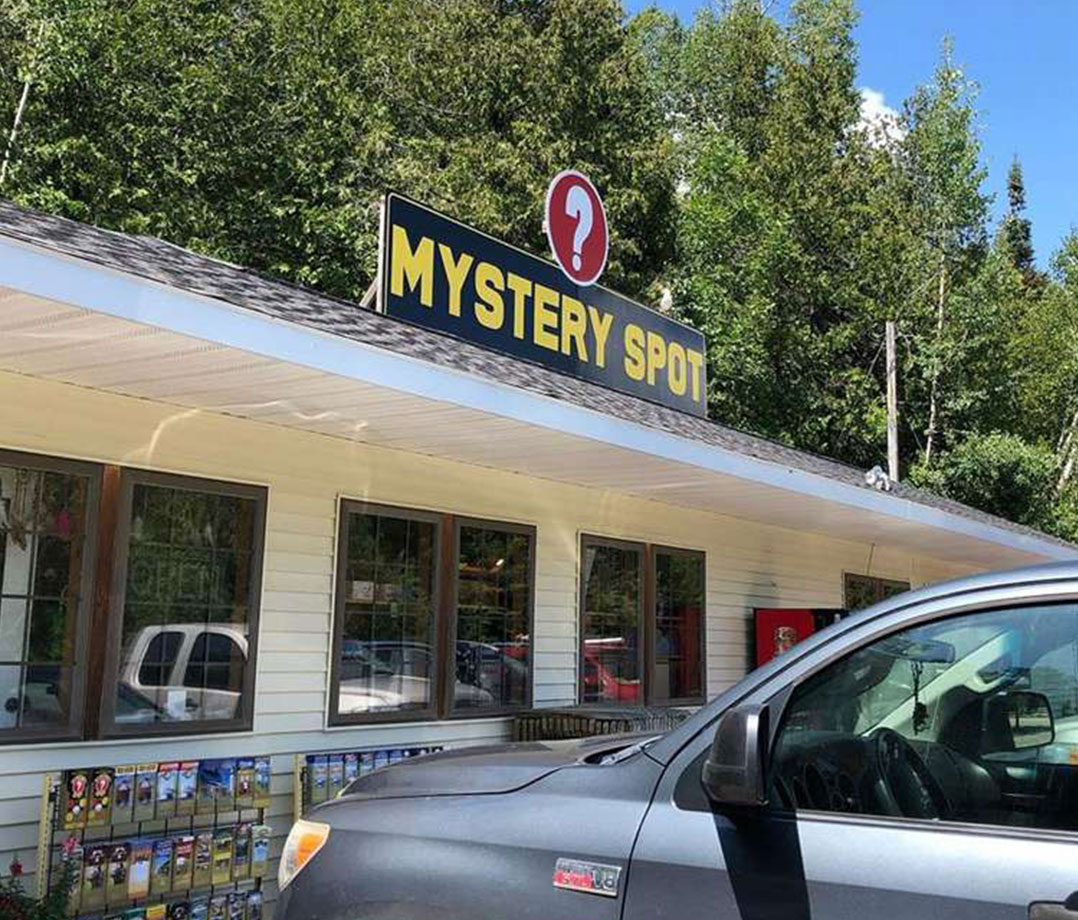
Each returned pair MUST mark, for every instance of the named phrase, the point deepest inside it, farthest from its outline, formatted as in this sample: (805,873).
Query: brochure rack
(147,862)
(321,776)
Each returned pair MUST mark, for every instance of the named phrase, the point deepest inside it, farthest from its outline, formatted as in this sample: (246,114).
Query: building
(244,518)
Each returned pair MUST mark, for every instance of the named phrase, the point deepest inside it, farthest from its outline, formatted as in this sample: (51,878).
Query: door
(931,771)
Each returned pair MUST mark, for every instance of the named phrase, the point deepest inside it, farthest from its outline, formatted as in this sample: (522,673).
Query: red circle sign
(576,226)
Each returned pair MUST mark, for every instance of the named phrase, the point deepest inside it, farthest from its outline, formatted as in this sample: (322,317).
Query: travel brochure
(116,872)
(154,791)
(328,775)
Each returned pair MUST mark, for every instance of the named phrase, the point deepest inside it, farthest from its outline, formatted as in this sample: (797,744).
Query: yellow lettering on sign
(490,307)
(600,328)
(574,327)
(545,317)
(456,273)
(522,290)
(656,355)
(696,362)
(635,364)
(677,375)
(415,266)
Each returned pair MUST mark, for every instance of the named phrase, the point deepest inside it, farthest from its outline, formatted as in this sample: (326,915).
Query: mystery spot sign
(438,273)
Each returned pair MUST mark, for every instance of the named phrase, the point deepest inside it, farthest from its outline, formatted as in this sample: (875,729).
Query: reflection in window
(388,642)
(969,718)
(493,604)
(43,528)
(865,590)
(679,611)
(189,586)
(612,603)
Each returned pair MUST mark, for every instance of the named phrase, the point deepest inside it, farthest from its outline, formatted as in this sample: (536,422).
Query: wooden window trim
(449,689)
(74,729)
(348,507)
(446,552)
(244,720)
(647,663)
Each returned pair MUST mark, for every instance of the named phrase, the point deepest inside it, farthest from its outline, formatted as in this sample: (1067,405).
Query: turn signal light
(304,841)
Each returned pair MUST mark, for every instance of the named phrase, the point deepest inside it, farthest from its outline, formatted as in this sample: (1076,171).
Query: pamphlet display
(325,775)
(176,840)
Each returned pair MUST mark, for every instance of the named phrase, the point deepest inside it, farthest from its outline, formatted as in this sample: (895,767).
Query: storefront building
(240,518)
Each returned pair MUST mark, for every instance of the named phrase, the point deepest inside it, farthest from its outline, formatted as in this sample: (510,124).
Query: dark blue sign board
(439,273)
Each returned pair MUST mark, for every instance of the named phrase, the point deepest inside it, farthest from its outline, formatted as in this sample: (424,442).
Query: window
(411,586)
(679,626)
(968,719)
(46,542)
(188,572)
(865,590)
(493,616)
(386,612)
(630,591)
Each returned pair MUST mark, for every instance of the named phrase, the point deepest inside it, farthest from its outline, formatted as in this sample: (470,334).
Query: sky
(1022,54)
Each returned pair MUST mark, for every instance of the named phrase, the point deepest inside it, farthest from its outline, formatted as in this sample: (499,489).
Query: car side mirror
(1017,720)
(734,771)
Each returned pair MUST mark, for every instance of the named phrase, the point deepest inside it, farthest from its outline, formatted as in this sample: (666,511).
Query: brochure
(123,795)
(161,873)
(138,878)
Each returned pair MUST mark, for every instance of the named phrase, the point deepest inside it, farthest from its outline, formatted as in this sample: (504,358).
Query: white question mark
(578,205)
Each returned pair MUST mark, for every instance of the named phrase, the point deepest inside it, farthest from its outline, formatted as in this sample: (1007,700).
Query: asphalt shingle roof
(180,268)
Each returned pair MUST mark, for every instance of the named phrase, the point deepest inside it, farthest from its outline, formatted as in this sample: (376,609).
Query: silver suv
(919,759)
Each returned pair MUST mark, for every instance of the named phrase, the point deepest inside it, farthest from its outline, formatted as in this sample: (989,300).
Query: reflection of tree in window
(43,525)
(387,635)
(679,606)
(612,577)
(493,603)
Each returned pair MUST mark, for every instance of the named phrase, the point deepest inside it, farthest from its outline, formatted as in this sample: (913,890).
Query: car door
(924,765)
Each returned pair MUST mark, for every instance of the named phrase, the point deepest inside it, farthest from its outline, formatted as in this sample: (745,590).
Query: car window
(972,718)
(160,658)
(216,663)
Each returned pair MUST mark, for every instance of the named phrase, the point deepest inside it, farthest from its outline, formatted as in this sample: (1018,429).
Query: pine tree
(1017,231)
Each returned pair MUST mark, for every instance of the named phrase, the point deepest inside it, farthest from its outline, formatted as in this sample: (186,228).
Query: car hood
(482,770)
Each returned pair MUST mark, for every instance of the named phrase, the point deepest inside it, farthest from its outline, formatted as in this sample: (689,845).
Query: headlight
(304,841)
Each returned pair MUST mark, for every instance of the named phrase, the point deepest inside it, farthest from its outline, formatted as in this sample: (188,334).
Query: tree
(265,132)
(941,153)
(1016,232)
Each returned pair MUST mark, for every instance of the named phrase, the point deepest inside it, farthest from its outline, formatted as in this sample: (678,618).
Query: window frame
(653,614)
(346,508)
(117,589)
(451,711)
(648,619)
(74,728)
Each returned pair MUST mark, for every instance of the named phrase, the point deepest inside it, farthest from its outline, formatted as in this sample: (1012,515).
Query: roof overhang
(66,319)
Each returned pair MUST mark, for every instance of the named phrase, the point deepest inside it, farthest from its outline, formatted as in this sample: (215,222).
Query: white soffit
(68,320)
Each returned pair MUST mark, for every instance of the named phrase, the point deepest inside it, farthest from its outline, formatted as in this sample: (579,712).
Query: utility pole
(892,402)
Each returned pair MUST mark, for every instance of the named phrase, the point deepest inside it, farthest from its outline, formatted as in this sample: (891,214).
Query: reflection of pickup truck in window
(188,670)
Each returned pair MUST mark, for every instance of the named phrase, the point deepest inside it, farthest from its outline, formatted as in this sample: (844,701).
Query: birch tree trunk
(16,124)
(1068,452)
(937,363)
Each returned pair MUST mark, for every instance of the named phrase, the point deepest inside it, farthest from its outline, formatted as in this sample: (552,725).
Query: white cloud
(878,118)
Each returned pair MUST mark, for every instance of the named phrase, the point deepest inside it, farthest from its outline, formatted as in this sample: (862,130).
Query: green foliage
(265,133)
(732,155)
(999,473)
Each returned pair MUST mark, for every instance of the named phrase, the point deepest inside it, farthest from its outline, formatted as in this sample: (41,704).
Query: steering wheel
(908,787)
